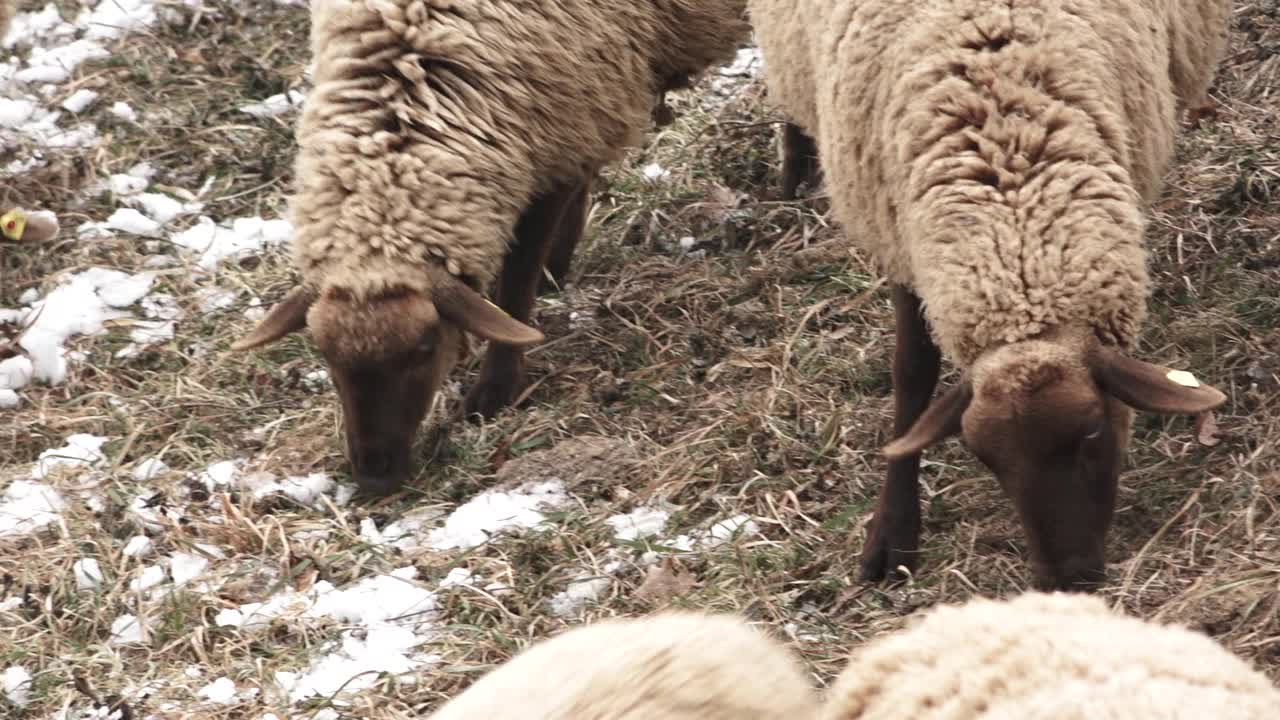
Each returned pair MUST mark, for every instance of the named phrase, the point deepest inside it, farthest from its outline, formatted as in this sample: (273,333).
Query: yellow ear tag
(1184,378)
(12,224)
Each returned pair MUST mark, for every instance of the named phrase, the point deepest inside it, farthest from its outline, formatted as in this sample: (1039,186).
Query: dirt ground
(718,354)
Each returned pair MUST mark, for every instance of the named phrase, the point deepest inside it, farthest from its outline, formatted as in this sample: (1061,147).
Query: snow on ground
(34,113)
(495,511)
(17,685)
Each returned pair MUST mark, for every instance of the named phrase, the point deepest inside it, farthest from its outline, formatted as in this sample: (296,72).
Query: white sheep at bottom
(1047,657)
(670,666)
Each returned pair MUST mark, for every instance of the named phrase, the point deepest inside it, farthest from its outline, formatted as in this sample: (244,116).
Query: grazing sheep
(995,159)
(444,146)
(663,667)
(1046,657)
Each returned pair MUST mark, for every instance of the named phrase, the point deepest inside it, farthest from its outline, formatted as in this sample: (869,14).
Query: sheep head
(388,353)
(1051,418)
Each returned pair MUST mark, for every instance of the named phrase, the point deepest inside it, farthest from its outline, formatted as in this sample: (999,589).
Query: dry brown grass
(749,376)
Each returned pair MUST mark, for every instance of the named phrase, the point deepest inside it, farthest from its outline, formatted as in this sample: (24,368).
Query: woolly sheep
(995,159)
(664,667)
(1046,657)
(436,132)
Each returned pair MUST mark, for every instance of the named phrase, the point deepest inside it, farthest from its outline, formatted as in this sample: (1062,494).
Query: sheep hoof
(489,396)
(886,552)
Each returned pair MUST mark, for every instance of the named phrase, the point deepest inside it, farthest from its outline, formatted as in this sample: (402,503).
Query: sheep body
(433,123)
(973,143)
(1046,657)
(668,666)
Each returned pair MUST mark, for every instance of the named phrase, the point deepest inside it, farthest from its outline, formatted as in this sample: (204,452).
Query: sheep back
(994,156)
(669,666)
(1046,657)
(433,123)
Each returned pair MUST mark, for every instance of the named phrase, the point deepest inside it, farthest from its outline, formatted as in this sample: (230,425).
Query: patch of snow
(221,691)
(245,236)
(215,298)
(219,473)
(79,306)
(163,209)
(654,171)
(131,221)
(55,64)
(127,629)
(151,576)
(149,469)
(316,380)
(126,184)
(580,592)
(114,18)
(15,113)
(9,398)
(458,577)
(304,489)
(139,546)
(17,685)
(88,573)
(494,511)
(641,522)
(726,530)
(151,517)
(275,105)
(33,25)
(15,372)
(79,100)
(355,666)
(81,451)
(185,567)
(124,111)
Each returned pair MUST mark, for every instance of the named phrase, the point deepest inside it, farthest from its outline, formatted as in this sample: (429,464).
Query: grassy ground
(745,374)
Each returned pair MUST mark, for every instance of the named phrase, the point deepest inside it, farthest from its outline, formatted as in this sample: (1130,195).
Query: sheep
(1064,656)
(995,159)
(436,131)
(668,666)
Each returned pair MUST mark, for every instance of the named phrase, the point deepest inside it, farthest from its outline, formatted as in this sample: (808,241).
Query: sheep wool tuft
(670,666)
(1046,657)
(7,10)
(433,123)
(993,155)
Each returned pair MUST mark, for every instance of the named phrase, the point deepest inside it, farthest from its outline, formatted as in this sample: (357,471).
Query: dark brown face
(1057,455)
(387,353)
(384,400)
(1051,419)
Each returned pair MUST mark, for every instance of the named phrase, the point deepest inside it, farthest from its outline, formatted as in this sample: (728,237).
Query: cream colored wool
(433,122)
(8,8)
(996,155)
(670,666)
(1046,657)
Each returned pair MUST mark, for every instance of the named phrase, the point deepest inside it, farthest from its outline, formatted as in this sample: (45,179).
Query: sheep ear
(939,422)
(1152,388)
(469,310)
(290,315)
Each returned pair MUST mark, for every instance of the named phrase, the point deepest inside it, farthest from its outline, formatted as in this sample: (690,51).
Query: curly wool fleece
(995,155)
(1046,657)
(433,122)
(669,666)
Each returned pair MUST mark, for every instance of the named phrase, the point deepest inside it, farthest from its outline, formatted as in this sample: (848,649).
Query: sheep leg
(894,535)
(502,374)
(799,161)
(568,233)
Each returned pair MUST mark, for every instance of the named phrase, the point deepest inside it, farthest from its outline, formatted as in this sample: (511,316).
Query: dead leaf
(665,581)
(1207,429)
